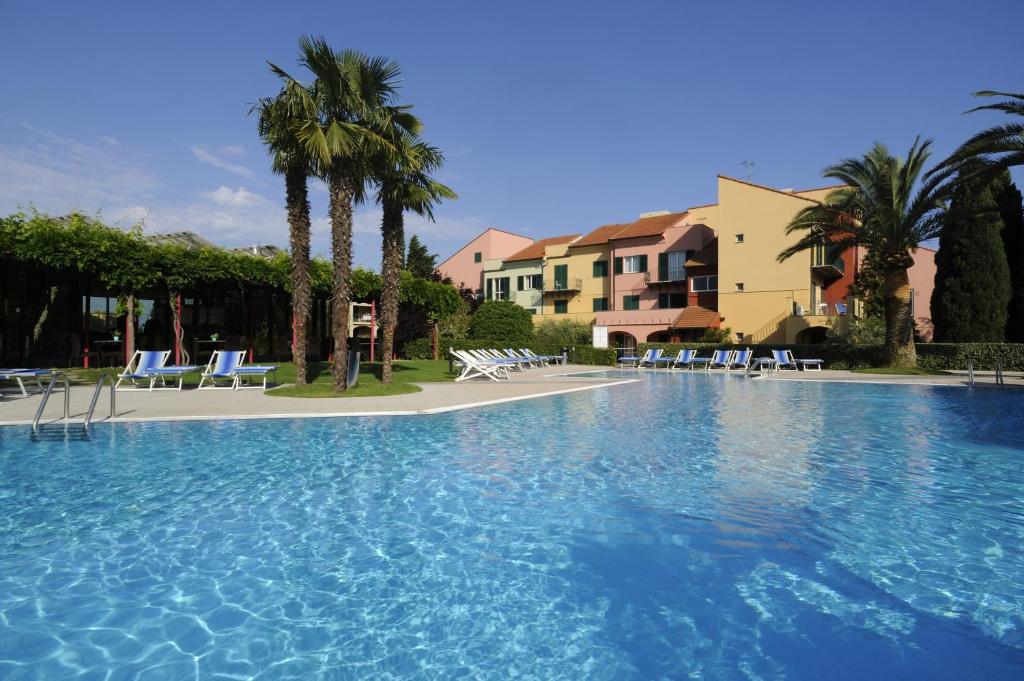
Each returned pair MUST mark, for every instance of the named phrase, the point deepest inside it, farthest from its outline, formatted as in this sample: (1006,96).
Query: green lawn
(405,373)
(898,371)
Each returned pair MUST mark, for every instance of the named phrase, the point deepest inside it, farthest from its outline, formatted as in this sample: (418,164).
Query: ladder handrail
(96,397)
(46,396)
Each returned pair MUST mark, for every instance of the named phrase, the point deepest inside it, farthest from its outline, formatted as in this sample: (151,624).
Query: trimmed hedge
(931,356)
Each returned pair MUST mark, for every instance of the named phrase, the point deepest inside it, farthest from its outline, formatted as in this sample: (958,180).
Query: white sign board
(600,336)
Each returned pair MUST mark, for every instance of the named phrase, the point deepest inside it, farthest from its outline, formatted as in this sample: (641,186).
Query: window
(739,238)
(632,264)
(498,288)
(668,301)
(739,286)
(478,256)
(630,302)
(677,265)
(561,277)
(530,282)
(600,304)
(600,268)
(704,284)
(561,306)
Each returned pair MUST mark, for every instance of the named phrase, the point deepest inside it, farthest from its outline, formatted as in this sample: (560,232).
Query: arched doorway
(622,341)
(813,335)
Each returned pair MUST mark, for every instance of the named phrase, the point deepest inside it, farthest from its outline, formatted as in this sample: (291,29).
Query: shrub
(503,323)
(420,348)
(563,332)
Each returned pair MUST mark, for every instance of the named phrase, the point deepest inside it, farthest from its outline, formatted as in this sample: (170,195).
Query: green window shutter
(630,302)
(561,306)
(519,283)
(561,277)
(643,263)
(663,301)
(600,304)
(663,267)
(618,265)
(506,281)
(478,256)
(600,268)
(490,289)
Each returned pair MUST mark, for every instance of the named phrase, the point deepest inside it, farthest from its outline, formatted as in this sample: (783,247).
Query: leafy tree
(972,282)
(278,122)
(402,172)
(993,150)
(340,111)
(456,324)
(563,332)
(880,207)
(420,261)
(1012,214)
(501,322)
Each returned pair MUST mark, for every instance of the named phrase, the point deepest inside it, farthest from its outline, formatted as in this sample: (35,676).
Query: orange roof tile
(696,317)
(652,226)
(535,250)
(600,235)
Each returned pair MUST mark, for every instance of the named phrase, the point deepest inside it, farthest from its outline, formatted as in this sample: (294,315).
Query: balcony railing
(570,285)
(674,277)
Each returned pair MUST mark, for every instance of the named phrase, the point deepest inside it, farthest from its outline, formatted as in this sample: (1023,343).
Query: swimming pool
(683,525)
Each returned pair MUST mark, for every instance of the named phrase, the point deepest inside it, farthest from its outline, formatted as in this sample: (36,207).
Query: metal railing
(96,396)
(46,396)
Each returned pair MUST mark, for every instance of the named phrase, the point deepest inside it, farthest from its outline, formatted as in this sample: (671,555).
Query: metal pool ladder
(67,398)
(96,397)
(46,396)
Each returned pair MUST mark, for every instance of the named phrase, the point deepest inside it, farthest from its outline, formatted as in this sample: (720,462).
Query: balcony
(570,285)
(674,277)
(826,263)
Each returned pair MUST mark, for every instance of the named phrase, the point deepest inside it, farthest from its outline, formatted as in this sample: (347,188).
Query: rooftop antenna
(749,166)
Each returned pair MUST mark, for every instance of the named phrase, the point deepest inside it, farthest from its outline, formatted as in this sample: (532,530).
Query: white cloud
(213,159)
(231,150)
(239,198)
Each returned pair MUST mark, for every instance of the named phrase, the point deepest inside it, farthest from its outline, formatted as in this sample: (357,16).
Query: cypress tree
(1011,211)
(972,280)
(420,261)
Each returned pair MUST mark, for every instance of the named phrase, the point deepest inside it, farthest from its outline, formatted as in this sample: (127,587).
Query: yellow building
(587,268)
(759,298)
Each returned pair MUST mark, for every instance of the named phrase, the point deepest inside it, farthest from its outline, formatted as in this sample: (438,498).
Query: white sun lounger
(473,366)
(148,365)
(227,364)
(20,375)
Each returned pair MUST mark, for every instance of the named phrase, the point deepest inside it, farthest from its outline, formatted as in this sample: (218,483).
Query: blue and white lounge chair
(684,359)
(805,363)
(227,364)
(148,365)
(784,360)
(473,367)
(633,360)
(721,359)
(841,308)
(20,375)
(543,359)
(651,358)
(740,360)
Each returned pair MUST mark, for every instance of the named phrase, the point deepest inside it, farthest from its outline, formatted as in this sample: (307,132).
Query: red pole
(177,330)
(373,328)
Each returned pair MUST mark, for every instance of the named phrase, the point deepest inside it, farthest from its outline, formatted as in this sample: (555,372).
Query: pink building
(465,267)
(648,293)
(922,283)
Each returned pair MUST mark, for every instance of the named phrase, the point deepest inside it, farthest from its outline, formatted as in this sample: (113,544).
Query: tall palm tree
(349,89)
(278,120)
(404,184)
(884,208)
(994,150)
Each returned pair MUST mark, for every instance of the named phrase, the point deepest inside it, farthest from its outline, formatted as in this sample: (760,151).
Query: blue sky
(555,117)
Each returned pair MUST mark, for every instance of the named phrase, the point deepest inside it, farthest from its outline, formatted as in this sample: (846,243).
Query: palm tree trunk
(899,323)
(341,252)
(297,198)
(393,232)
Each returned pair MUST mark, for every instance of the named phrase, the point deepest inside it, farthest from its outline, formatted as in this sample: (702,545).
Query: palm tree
(403,184)
(349,89)
(879,207)
(994,150)
(278,119)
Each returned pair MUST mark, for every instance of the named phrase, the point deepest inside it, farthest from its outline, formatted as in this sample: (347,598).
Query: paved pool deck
(171,405)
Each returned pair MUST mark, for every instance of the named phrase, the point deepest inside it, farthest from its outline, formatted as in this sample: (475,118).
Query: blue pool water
(682,526)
